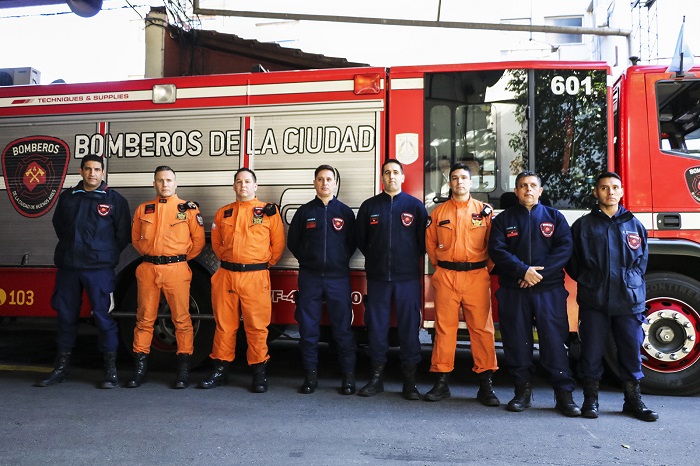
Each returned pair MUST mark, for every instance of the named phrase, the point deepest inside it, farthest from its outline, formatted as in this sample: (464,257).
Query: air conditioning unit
(19,76)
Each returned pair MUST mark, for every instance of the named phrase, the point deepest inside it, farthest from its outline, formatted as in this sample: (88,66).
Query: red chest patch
(103,209)
(406,219)
(338,223)
(634,240)
(547,229)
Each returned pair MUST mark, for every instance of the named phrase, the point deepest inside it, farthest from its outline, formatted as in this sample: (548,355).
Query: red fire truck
(565,120)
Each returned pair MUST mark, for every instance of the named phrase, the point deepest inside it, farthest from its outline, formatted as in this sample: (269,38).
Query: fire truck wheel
(671,350)
(163,345)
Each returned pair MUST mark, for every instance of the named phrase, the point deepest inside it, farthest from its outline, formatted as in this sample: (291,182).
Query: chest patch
(310,223)
(374,219)
(477,220)
(257,215)
(181,216)
(150,208)
(634,240)
(547,229)
(406,219)
(338,223)
(511,232)
(228,213)
(103,209)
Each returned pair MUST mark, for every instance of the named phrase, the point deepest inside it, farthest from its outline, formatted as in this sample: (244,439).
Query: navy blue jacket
(93,227)
(609,261)
(322,237)
(391,235)
(521,238)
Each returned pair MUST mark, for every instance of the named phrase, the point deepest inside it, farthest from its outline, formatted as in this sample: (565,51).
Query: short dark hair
(320,168)
(247,170)
(163,168)
(607,175)
(461,166)
(525,174)
(388,161)
(92,158)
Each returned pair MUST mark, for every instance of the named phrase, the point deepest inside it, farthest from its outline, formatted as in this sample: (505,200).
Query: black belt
(160,260)
(462,266)
(236,267)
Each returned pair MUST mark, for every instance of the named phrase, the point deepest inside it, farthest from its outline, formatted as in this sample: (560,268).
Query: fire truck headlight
(164,93)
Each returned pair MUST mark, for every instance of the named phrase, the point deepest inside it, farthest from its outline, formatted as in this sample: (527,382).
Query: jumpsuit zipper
(325,238)
(391,225)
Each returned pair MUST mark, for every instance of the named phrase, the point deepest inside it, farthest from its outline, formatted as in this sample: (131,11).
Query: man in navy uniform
(391,235)
(322,238)
(609,261)
(93,225)
(530,244)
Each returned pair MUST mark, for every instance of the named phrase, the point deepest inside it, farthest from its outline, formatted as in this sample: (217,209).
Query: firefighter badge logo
(634,240)
(103,209)
(547,229)
(406,219)
(692,178)
(35,169)
(338,223)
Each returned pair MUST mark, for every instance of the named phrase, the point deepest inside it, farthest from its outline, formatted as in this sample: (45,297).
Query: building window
(566,21)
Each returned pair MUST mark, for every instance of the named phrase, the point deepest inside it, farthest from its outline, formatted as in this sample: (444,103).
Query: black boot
(589,409)
(110,379)
(440,390)
(565,403)
(347,386)
(183,371)
(375,384)
(61,369)
(310,382)
(522,398)
(409,390)
(634,404)
(485,395)
(219,375)
(259,384)
(140,368)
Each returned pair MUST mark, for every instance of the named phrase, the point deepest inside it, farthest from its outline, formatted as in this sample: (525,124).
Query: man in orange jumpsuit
(167,232)
(457,242)
(248,237)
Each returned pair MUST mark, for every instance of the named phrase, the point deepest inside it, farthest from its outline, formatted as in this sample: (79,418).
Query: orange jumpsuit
(458,233)
(160,228)
(243,234)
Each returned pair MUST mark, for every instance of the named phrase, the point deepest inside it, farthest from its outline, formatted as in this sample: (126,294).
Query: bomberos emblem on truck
(34,170)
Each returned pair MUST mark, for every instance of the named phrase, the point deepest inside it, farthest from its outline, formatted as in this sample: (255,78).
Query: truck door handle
(668,221)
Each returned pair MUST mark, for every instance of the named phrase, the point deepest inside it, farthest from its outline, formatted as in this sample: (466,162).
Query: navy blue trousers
(627,332)
(518,310)
(313,291)
(406,296)
(67,299)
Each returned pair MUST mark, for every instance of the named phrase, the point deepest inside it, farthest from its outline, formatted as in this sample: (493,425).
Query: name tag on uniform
(310,223)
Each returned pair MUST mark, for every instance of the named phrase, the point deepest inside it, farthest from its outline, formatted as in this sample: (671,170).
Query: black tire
(163,346)
(671,350)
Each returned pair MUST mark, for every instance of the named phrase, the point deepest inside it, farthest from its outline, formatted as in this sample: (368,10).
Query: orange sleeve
(194,218)
(431,242)
(216,234)
(136,230)
(277,240)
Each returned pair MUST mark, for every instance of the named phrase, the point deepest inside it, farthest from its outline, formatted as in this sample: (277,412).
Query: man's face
(528,191)
(608,191)
(92,175)
(460,183)
(245,186)
(324,183)
(393,178)
(165,183)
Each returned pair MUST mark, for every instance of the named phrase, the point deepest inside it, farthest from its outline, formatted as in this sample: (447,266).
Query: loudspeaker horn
(85,8)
